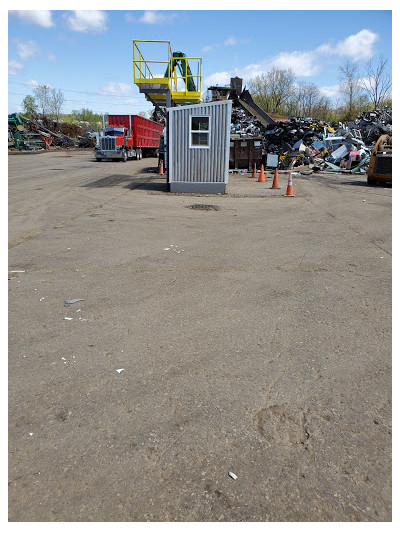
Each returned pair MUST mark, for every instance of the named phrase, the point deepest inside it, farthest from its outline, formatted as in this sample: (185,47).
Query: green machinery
(179,85)
(177,59)
(20,137)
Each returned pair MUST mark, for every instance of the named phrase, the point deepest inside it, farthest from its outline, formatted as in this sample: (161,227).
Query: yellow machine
(380,163)
(178,84)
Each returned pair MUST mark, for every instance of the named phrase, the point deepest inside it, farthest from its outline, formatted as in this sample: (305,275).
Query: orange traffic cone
(161,167)
(261,177)
(289,190)
(275,184)
(254,171)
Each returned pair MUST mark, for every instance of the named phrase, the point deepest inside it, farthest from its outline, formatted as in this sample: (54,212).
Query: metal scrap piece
(73,301)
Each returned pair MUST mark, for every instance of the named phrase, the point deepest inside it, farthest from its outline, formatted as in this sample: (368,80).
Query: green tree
(350,88)
(42,97)
(87,115)
(307,96)
(377,82)
(29,106)
(323,110)
(56,101)
(273,90)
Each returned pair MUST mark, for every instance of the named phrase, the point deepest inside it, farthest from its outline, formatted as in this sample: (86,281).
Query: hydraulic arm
(179,60)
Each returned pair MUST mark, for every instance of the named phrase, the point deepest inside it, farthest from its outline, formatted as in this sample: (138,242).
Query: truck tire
(124,156)
(371,181)
(98,159)
(140,153)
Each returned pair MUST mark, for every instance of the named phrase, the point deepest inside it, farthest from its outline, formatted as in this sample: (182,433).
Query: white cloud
(87,21)
(129,17)
(52,58)
(27,49)
(231,41)
(14,67)
(209,47)
(114,88)
(40,17)
(302,63)
(157,17)
(359,46)
(330,90)
(218,78)
(254,69)
(32,84)
(131,101)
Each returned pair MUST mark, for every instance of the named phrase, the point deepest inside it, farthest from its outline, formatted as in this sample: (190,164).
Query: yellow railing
(143,73)
(141,65)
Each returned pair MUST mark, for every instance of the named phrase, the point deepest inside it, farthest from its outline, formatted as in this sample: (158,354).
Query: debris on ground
(41,134)
(303,143)
(73,301)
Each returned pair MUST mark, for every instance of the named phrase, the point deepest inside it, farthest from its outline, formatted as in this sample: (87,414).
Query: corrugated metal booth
(198,147)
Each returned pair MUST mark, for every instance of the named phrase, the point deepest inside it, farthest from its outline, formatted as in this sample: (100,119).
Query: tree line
(277,91)
(47,103)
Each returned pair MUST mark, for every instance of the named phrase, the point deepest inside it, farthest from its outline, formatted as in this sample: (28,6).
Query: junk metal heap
(302,143)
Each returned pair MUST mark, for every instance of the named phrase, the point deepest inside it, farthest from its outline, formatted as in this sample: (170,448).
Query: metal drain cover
(205,207)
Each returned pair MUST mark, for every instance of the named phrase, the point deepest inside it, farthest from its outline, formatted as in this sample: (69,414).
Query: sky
(87,53)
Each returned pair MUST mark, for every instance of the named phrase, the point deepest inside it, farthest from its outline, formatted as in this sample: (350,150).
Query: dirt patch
(282,424)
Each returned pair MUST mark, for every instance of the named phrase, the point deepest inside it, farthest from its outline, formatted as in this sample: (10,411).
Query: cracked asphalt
(251,337)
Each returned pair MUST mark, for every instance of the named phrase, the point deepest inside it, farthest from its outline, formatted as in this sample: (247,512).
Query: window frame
(191,131)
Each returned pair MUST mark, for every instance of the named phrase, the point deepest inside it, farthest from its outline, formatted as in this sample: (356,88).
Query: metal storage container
(198,147)
(245,152)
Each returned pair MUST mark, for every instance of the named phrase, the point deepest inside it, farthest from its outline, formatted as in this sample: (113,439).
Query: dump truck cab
(129,137)
(116,143)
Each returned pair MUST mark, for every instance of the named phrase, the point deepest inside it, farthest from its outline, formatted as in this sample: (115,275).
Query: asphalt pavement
(228,358)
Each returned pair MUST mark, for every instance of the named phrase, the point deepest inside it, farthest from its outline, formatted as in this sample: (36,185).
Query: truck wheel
(371,181)
(139,154)
(124,156)
(98,159)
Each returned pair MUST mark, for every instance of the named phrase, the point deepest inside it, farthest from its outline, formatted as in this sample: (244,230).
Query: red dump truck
(129,137)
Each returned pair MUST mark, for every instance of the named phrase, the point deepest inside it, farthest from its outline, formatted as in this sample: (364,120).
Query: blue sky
(88,53)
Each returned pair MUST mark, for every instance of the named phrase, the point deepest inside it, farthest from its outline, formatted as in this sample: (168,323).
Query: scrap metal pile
(373,124)
(39,134)
(308,145)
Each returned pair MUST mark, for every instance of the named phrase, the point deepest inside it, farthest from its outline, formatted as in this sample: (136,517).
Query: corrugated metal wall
(202,165)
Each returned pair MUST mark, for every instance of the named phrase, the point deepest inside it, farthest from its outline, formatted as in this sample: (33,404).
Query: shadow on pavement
(148,186)
(365,184)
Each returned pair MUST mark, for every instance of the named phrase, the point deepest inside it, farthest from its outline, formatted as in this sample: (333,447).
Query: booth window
(199,132)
